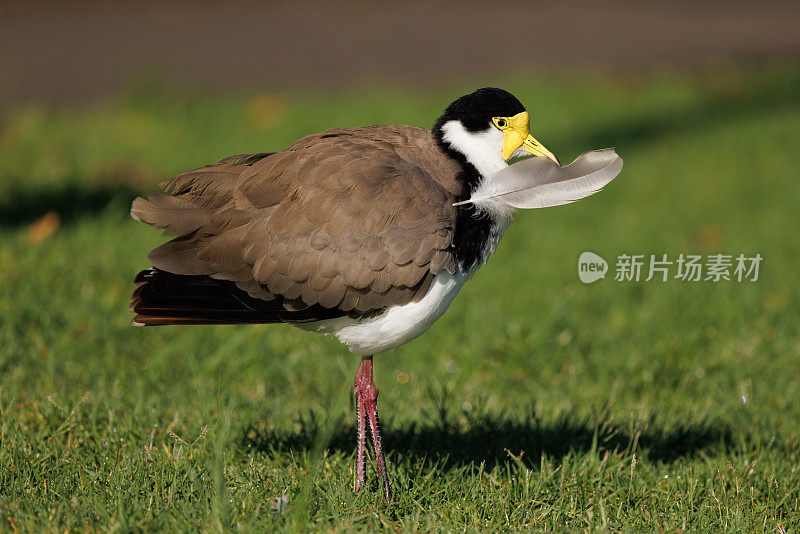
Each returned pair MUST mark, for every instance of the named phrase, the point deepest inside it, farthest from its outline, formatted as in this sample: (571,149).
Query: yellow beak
(518,135)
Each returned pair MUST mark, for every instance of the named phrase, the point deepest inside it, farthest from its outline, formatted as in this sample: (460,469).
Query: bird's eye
(501,123)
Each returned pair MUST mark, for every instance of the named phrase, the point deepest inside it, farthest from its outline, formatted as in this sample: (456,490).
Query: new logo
(591,267)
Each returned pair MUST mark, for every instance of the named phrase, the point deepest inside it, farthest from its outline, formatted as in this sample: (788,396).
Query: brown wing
(352,220)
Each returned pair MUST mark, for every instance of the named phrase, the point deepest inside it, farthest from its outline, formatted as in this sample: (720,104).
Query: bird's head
(488,127)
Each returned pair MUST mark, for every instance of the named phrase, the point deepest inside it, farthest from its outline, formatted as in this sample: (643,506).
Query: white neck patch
(483,149)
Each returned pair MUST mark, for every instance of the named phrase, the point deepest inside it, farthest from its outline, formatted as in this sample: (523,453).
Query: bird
(366,234)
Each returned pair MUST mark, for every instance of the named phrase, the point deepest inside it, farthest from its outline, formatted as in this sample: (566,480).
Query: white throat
(483,149)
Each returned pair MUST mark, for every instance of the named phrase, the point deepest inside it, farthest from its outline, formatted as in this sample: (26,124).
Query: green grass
(536,403)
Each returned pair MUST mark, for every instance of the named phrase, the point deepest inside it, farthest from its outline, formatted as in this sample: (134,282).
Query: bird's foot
(366,394)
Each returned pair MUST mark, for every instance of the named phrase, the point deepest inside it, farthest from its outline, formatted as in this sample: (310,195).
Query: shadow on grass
(490,439)
(22,207)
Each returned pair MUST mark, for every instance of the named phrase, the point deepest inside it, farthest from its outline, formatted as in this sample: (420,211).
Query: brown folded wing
(353,220)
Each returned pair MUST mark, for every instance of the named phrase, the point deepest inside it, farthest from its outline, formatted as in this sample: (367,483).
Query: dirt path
(77,52)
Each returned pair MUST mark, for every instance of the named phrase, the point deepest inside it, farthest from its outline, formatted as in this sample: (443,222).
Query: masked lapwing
(366,233)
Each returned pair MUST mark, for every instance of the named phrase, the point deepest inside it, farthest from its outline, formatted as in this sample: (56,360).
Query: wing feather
(355,220)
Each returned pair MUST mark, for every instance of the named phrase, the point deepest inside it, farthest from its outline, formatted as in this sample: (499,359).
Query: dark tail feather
(164,298)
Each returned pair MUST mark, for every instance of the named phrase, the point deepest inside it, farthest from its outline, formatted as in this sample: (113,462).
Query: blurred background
(99,102)
(70,52)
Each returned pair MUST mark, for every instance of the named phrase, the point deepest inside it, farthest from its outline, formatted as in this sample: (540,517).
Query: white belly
(400,324)
(397,325)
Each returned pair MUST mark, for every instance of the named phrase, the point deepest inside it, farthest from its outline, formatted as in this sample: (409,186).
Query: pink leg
(367,407)
(361,426)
